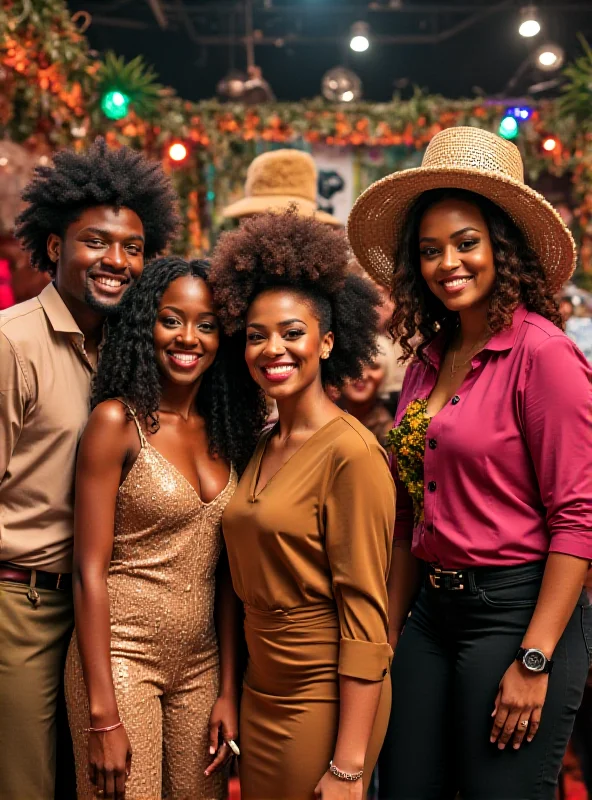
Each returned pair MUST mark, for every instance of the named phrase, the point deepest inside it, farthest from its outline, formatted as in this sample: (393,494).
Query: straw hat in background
(460,158)
(278,180)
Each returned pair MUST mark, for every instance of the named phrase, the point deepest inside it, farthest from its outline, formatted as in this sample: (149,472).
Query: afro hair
(59,194)
(303,255)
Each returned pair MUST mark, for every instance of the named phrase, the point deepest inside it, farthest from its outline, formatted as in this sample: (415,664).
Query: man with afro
(91,221)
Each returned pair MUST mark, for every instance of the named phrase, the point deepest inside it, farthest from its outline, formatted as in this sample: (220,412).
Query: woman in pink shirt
(492,455)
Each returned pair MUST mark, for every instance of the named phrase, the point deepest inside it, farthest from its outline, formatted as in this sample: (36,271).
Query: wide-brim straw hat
(279,180)
(460,158)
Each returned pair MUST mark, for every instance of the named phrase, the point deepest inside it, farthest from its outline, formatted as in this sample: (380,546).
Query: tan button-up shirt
(45,379)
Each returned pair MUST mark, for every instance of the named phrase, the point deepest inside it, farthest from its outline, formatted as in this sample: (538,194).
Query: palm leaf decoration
(577,92)
(135,79)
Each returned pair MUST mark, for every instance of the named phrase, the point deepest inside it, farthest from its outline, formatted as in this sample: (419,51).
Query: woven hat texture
(460,158)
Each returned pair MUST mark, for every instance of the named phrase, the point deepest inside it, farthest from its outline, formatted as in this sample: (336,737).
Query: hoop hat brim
(262,203)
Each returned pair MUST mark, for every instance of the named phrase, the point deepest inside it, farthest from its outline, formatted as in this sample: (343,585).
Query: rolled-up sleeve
(14,394)
(359,517)
(558,428)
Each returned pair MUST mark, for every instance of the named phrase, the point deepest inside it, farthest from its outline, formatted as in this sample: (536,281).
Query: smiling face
(186,333)
(284,343)
(365,389)
(456,256)
(99,257)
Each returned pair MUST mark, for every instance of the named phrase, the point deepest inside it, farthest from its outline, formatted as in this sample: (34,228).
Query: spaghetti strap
(136,420)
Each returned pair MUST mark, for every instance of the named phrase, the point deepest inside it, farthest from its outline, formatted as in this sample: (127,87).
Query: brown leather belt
(43,580)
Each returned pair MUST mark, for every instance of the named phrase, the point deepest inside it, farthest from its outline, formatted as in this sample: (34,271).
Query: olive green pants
(33,644)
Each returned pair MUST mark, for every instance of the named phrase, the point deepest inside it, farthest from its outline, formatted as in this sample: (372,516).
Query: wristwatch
(534,660)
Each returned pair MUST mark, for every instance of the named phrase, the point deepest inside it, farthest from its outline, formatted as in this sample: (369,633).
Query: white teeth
(280,370)
(457,282)
(186,357)
(113,282)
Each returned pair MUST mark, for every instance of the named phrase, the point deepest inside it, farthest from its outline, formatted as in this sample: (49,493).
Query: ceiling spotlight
(529,22)
(550,57)
(360,32)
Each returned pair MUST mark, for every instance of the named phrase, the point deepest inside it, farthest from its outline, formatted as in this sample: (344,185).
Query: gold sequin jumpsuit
(164,651)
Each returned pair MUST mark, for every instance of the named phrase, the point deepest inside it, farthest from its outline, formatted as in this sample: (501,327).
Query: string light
(177,152)
(508,128)
(519,113)
(550,144)
(115,104)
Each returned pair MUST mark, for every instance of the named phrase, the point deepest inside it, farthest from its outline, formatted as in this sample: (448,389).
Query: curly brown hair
(302,255)
(520,277)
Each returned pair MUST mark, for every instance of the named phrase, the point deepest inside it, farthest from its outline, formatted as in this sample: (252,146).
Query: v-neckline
(254,494)
(178,472)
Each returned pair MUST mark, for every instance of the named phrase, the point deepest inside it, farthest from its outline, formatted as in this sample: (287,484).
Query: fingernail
(516,747)
(501,746)
(492,739)
(212,750)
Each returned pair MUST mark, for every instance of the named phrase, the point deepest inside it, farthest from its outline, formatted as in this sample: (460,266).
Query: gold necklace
(454,369)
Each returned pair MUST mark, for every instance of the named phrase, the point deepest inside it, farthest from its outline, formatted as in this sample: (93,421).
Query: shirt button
(433,444)
(455,400)
(432,485)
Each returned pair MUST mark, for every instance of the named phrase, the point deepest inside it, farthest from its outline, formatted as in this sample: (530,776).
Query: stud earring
(326,354)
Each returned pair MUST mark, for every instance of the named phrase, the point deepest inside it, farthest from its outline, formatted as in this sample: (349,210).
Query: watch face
(534,660)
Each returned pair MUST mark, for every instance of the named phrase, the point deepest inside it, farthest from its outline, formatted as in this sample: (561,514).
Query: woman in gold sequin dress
(154,475)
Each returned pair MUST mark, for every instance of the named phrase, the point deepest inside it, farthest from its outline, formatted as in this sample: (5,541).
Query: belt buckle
(437,575)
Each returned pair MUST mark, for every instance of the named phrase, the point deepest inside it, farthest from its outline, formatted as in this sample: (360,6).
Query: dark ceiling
(452,48)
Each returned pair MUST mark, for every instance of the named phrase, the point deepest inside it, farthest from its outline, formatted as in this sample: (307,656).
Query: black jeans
(454,650)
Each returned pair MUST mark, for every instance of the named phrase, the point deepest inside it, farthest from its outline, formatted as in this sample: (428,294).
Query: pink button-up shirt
(508,461)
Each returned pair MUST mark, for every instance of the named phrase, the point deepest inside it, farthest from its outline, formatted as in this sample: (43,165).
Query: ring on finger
(524,723)
(233,746)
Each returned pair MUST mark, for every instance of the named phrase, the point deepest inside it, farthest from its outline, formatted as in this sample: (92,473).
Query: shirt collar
(504,340)
(57,312)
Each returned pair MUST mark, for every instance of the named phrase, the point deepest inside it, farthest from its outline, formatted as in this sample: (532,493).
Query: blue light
(508,127)
(519,112)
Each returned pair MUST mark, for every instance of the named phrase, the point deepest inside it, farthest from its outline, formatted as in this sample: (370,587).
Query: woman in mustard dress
(309,529)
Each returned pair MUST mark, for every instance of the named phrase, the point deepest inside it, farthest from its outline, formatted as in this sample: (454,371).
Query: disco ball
(232,86)
(341,85)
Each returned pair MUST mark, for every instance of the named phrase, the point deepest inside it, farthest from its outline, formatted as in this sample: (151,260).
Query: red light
(177,152)
(550,144)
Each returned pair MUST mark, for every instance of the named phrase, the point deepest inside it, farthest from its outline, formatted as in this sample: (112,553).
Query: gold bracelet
(344,776)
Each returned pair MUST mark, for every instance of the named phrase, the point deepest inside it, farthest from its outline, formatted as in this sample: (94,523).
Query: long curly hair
(519,279)
(229,401)
(59,194)
(302,255)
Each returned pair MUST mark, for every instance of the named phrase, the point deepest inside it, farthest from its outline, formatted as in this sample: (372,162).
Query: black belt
(62,581)
(470,579)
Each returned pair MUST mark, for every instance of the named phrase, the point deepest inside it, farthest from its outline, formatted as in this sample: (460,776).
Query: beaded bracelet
(344,776)
(106,729)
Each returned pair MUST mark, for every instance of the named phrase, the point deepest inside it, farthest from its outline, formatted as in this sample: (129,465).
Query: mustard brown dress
(309,555)
(164,651)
